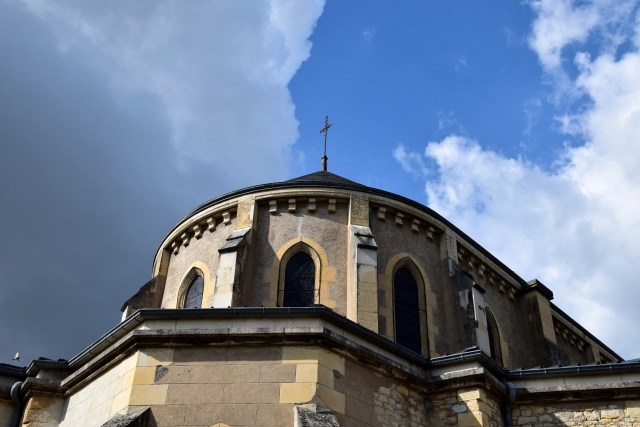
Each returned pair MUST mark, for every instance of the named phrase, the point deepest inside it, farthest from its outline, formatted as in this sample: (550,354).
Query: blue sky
(518,121)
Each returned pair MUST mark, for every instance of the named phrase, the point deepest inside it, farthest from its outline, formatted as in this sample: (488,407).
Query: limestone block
(197,231)
(155,356)
(279,373)
(633,408)
(273,415)
(512,293)
(382,213)
(299,354)
(332,206)
(148,395)
(312,204)
(186,237)
(175,246)
(306,373)
(297,392)
(430,231)
(251,393)
(466,395)
(333,399)
(292,205)
(211,224)
(273,207)
(399,217)
(226,217)
(469,419)
(331,360)
(415,225)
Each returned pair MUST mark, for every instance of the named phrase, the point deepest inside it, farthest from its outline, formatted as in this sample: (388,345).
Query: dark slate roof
(324,177)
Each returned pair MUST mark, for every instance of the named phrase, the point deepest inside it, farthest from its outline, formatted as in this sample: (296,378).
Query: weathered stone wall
(328,230)
(612,413)
(204,251)
(466,407)
(394,239)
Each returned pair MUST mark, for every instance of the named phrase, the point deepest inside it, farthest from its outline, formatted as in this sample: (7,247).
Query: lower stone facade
(593,414)
(307,372)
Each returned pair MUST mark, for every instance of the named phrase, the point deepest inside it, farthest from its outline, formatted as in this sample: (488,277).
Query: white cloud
(461,65)
(576,228)
(368,34)
(220,68)
(411,162)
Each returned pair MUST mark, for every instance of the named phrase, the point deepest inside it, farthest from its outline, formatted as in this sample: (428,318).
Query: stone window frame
(196,269)
(274,275)
(385,301)
(499,342)
(413,268)
(286,256)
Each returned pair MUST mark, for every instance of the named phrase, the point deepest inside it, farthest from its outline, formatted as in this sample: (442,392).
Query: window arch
(494,338)
(193,297)
(191,291)
(299,281)
(406,307)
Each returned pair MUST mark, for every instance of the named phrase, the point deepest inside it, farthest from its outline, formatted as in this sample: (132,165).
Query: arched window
(193,298)
(406,310)
(299,281)
(494,338)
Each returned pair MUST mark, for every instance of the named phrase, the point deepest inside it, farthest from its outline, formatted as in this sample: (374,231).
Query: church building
(319,301)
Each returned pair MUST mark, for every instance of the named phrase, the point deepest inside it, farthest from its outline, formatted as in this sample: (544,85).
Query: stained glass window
(299,281)
(194,294)
(406,310)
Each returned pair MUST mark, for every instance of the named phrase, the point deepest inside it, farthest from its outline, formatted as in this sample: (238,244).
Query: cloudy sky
(518,121)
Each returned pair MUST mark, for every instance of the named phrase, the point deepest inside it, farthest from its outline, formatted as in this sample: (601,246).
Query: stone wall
(275,229)
(6,412)
(612,413)
(466,407)
(95,403)
(201,253)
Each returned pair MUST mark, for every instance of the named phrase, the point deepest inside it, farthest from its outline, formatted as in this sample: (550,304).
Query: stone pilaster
(362,281)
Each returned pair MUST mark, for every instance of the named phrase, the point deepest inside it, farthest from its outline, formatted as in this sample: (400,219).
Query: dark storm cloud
(92,180)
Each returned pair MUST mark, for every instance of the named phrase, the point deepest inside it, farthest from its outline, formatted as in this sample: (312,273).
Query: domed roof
(324,177)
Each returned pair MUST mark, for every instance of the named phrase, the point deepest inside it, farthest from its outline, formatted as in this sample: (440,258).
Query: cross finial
(325,130)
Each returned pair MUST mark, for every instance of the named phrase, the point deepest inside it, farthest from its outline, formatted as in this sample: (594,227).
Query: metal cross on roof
(325,130)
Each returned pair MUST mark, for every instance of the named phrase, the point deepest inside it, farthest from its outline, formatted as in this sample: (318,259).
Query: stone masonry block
(155,357)
(278,373)
(228,374)
(232,414)
(467,395)
(148,394)
(325,376)
(144,375)
(306,373)
(299,354)
(172,375)
(201,356)
(194,394)
(273,415)
(367,274)
(169,415)
(297,392)
(331,360)
(633,408)
(473,419)
(251,355)
(251,393)
(333,399)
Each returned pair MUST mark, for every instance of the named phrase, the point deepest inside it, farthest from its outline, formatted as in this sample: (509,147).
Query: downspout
(506,409)
(15,398)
